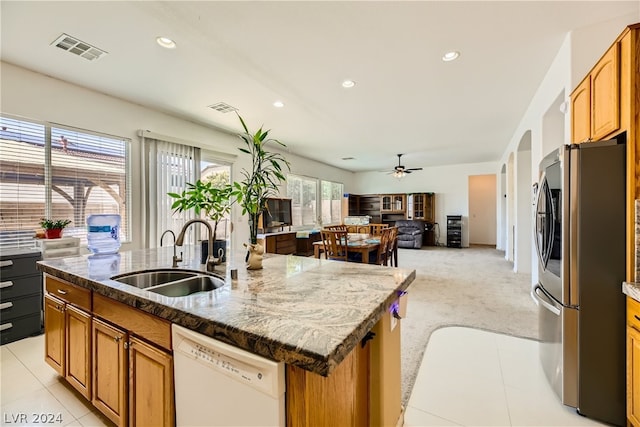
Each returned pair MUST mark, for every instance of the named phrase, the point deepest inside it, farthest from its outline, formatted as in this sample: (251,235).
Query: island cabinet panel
(54,337)
(110,371)
(386,388)
(80,297)
(78,352)
(341,399)
(151,396)
(148,326)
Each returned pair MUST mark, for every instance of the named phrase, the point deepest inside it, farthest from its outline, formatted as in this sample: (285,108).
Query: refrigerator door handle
(540,296)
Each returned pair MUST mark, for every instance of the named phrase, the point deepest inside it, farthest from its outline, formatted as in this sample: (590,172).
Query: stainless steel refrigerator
(580,243)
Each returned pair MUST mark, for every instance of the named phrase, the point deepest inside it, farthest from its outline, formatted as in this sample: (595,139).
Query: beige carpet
(474,287)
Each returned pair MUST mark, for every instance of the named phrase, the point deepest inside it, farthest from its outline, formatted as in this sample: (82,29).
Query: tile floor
(468,377)
(30,389)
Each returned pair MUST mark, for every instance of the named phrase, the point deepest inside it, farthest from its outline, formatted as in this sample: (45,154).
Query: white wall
(577,55)
(36,96)
(449,183)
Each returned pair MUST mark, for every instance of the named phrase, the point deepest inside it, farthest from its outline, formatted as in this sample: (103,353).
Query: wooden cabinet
(280,243)
(151,385)
(422,207)
(595,103)
(68,336)
(393,203)
(117,356)
(54,337)
(633,362)
(110,371)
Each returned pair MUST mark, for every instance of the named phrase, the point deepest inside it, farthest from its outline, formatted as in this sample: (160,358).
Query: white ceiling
(250,54)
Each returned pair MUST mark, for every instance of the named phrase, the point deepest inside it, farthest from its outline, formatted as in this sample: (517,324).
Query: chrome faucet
(175,258)
(180,240)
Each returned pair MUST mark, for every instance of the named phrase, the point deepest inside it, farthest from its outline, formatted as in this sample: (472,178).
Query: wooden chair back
(339,227)
(392,249)
(376,229)
(335,244)
(383,249)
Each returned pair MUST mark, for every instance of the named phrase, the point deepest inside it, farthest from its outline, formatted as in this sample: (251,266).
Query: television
(277,214)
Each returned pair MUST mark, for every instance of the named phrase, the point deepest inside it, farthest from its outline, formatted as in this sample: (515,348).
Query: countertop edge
(310,361)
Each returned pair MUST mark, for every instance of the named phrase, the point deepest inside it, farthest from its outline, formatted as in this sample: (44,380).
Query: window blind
(50,171)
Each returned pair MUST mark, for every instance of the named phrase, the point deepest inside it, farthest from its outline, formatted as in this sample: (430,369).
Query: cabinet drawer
(75,295)
(285,237)
(145,325)
(18,266)
(20,286)
(20,307)
(20,327)
(633,313)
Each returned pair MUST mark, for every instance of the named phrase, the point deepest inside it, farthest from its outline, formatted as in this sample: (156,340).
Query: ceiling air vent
(223,107)
(78,47)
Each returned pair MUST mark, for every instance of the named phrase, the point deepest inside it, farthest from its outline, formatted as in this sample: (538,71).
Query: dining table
(360,243)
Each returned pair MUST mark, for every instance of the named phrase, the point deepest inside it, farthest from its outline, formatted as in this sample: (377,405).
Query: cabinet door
(633,376)
(54,333)
(418,206)
(605,95)
(151,385)
(109,371)
(386,203)
(581,112)
(78,350)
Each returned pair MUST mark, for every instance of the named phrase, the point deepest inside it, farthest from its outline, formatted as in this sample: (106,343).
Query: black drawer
(18,265)
(19,307)
(20,327)
(20,286)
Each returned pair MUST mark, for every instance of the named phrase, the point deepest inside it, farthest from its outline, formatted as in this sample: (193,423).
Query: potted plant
(53,227)
(259,183)
(209,199)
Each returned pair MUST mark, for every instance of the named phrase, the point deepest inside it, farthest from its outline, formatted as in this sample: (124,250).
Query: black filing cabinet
(454,231)
(20,295)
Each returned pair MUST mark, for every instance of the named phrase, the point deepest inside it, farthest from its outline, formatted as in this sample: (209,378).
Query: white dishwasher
(221,385)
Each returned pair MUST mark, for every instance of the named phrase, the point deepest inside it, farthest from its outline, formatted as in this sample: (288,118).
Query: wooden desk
(362,246)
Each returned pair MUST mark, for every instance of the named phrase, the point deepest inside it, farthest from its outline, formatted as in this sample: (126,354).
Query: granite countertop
(303,311)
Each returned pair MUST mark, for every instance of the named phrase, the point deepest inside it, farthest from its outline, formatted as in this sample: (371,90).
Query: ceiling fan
(400,171)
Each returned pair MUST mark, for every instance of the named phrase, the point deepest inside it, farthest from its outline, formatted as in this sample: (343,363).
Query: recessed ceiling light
(348,83)
(166,42)
(450,56)
(278,104)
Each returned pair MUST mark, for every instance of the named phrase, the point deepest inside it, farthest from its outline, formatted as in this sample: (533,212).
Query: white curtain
(168,166)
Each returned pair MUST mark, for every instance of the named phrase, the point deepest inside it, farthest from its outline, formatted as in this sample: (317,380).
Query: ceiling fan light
(399,174)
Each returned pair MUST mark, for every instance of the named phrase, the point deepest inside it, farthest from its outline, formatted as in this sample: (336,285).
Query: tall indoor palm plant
(261,182)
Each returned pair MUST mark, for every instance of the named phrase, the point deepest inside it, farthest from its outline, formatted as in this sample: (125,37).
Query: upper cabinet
(595,103)
(422,207)
(393,203)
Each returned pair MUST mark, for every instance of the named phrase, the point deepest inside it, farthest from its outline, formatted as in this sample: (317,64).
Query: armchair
(410,233)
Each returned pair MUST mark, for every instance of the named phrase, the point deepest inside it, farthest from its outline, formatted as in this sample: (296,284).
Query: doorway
(482,210)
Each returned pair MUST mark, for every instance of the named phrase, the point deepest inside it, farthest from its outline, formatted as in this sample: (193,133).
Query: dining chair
(376,229)
(335,244)
(339,227)
(383,249)
(392,247)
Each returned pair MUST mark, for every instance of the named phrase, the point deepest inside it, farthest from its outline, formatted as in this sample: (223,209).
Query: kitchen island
(311,314)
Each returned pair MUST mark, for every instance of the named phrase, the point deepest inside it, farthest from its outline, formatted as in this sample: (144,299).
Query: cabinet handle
(117,338)
(6,284)
(637,317)
(127,344)
(61,292)
(7,263)
(6,305)
(6,326)
(60,307)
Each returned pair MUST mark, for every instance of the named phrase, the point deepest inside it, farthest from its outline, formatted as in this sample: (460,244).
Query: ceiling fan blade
(414,169)
(407,171)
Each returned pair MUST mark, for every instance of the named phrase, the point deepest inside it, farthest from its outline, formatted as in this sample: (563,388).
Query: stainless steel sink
(146,279)
(188,286)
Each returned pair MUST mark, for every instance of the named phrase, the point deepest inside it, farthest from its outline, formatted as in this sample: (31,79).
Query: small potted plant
(259,183)
(53,227)
(208,198)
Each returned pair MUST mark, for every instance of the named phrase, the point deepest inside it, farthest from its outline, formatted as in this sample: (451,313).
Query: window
(302,192)
(59,172)
(314,201)
(331,202)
